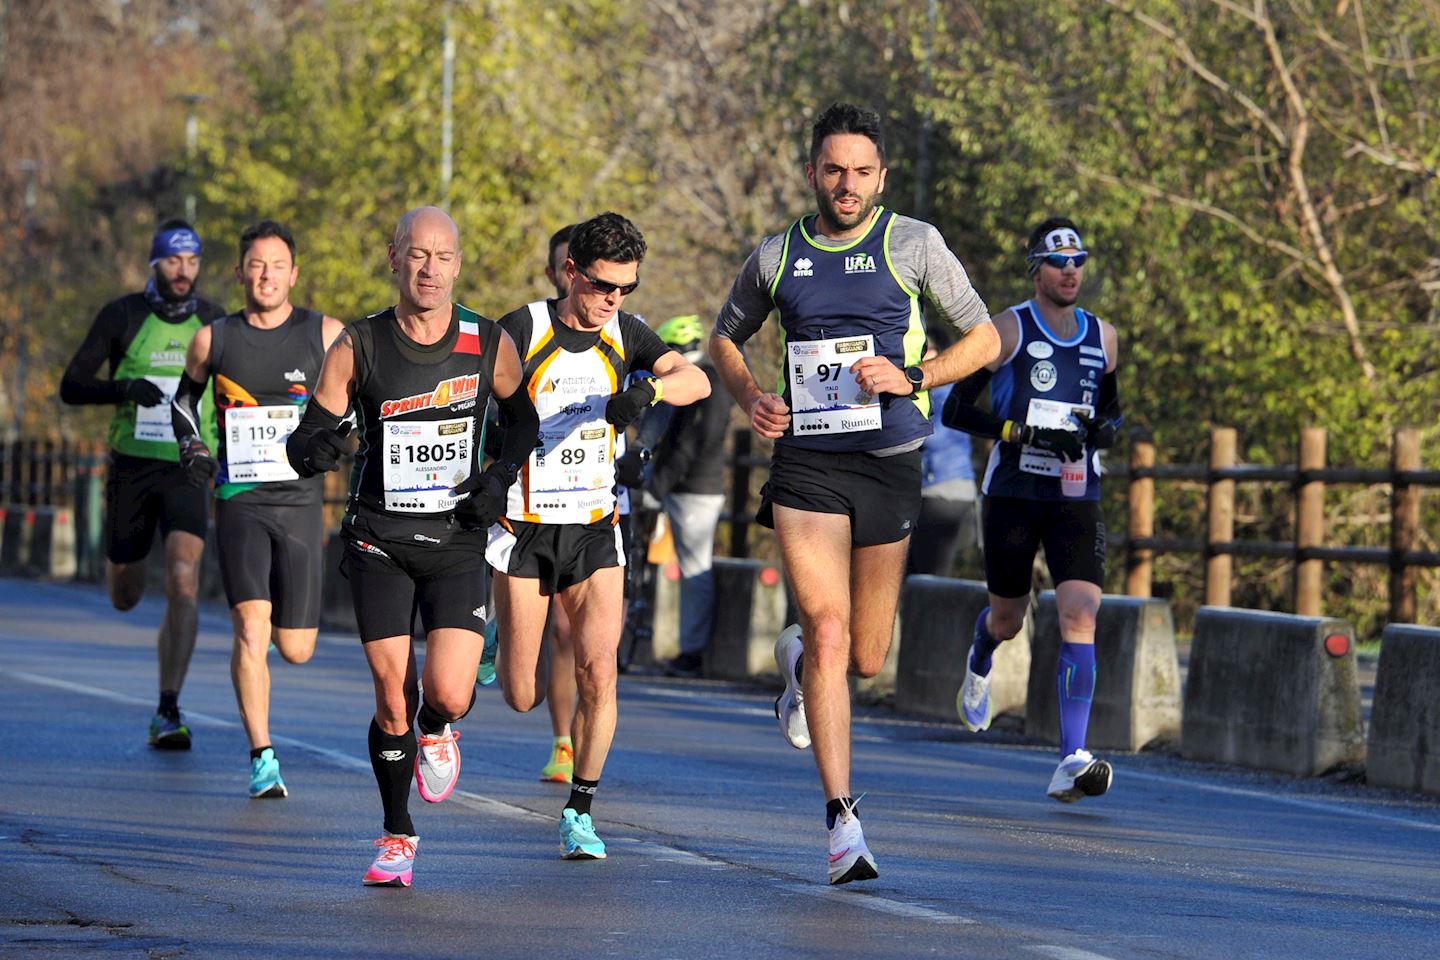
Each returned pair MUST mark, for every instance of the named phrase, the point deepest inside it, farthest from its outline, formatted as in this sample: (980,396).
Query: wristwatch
(916,376)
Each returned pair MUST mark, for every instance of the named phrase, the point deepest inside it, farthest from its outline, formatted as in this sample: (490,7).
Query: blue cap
(176,240)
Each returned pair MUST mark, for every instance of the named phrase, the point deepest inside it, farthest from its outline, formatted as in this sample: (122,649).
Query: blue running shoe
(577,837)
(265,782)
(169,732)
(973,700)
(486,674)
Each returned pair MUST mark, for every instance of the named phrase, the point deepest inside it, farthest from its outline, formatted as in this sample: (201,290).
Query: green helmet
(681,331)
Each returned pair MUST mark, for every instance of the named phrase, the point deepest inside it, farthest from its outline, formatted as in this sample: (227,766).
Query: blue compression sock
(982,647)
(1076,681)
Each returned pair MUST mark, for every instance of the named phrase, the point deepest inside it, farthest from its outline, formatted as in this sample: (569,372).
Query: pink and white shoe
(395,863)
(437,764)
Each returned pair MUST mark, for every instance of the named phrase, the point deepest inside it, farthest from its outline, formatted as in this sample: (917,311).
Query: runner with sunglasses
(1053,404)
(559,536)
(844,488)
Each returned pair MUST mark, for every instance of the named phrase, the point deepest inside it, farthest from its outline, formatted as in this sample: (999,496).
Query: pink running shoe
(437,764)
(395,863)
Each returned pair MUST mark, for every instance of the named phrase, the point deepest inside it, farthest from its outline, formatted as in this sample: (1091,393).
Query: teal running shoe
(486,674)
(265,781)
(169,732)
(577,837)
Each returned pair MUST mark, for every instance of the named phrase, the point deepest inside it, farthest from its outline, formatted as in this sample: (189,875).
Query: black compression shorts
(1072,531)
(272,552)
(141,494)
(880,495)
(398,567)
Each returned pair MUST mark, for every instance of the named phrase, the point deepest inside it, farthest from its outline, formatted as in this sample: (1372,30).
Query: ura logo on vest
(860,263)
(804,267)
(450,392)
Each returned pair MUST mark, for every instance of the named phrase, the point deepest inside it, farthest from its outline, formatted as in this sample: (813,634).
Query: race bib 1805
(424,461)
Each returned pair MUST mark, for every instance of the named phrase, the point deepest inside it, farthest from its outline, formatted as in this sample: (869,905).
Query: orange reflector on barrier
(769,576)
(672,572)
(1337,644)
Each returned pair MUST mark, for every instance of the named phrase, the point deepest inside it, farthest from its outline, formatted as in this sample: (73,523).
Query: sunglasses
(1062,260)
(605,287)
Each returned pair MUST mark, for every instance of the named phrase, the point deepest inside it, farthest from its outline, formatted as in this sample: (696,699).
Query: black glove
(200,466)
(630,468)
(1067,444)
(324,448)
(485,502)
(143,392)
(1099,434)
(624,407)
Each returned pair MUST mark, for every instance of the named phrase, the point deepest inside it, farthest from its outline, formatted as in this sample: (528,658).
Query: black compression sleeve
(1109,406)
(80,384)
(961,412)
(185,408)
(316,418)
(522,427)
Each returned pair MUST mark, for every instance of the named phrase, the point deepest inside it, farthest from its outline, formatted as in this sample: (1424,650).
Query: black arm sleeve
(185,408)
(316,418)
(522,427)
(961,411)
(1109,406)
(80,384)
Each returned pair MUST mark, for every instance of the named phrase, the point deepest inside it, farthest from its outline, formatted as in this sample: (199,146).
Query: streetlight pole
(447,97)
(192,141)
(22,334)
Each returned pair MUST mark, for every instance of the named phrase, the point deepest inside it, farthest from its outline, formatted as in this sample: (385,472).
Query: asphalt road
(715,829)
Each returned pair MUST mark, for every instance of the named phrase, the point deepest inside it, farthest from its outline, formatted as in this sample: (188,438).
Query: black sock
(169,703)
(800,671)
(581,793)
(430,721)
(393,760)
(835,807)
(255,754)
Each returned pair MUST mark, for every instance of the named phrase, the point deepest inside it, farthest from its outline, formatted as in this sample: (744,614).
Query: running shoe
(561,766)
(577,837)
(265,780)
(395,863)
(485,675)
(850,858)
(1079,775)
(790,705)
(973,700)
(169,733)
(686,666)
(437,764)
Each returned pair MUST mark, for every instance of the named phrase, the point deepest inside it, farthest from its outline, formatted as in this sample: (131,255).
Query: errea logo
(804,267)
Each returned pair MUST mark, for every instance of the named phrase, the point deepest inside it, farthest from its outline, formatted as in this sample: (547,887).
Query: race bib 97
(824,397)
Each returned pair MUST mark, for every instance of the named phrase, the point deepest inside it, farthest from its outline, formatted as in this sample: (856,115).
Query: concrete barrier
(16,535)
(1272,690)
(52,543)
(1404,746)
(1137,675)
(665,617)
(938,619)
(749,615)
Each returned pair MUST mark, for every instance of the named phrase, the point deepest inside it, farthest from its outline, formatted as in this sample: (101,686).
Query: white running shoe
(850,858)
(790,705)
(395,864)
(437,764)
(973,700)
(1079,775)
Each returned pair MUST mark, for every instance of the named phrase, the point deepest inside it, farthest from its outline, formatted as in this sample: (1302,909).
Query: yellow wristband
(1007,431)
(659,386)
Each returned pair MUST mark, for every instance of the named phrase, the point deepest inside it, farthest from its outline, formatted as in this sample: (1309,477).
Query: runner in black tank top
(269,526)
(418,376)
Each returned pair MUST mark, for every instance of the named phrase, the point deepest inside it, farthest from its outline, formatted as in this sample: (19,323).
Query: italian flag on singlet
(469,339)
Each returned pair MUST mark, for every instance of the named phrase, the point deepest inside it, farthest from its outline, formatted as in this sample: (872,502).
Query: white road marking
(1066,953)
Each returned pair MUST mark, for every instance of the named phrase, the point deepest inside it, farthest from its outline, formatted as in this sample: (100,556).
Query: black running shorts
(1072,532)
(559,555)
(141,494)
(272,552)
(397,567)
(880,495)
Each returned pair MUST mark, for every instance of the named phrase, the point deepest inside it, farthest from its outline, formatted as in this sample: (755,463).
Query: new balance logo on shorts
(478,612)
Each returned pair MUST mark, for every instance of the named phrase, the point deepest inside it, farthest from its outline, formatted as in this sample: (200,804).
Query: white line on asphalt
(1339,808)
(1066,953)
(483,804)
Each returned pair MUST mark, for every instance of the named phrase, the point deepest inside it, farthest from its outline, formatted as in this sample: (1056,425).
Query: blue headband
(168,243)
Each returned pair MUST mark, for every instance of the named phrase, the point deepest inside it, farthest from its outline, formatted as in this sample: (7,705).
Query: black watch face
(915,375)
